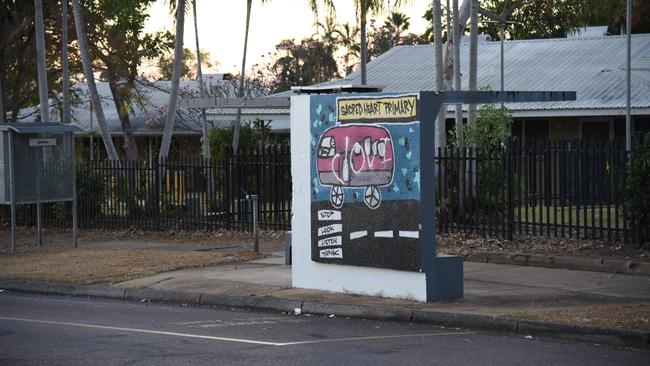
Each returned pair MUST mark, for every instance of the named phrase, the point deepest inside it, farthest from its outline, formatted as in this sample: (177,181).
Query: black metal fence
(567,189)
(180,195)
(564,189)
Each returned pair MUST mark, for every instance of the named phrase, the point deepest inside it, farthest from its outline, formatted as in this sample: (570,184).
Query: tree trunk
(364,45)
(441,133)
(448,67)
(473,68)
(65,71)
(130,146)
(176,78)
(22,29)
(90,79)
(40,55)
(456,35)
(473,58)
(242,78)
(3,114)
(204,120)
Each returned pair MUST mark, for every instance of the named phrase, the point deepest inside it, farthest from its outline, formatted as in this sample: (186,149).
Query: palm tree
(363,8)
(242,76)
(204,121)
(329,29)
(65,73)
(40,54)
(90,80)
(398,22)
(347,38)
(176,77)
(313,5)
(441,136)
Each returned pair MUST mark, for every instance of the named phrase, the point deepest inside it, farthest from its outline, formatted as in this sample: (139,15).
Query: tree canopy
(554,18)
(18,74)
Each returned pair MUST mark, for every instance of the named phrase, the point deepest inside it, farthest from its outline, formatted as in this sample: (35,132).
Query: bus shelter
(37,166)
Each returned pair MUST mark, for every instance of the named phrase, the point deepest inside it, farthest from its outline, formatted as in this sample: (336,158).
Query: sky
(222,24)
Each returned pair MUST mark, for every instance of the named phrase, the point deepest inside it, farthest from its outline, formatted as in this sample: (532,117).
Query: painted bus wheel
(337,196)
(372,197)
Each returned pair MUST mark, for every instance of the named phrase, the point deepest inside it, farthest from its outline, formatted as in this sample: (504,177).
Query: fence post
(157,187)
(509,189)
(256,229)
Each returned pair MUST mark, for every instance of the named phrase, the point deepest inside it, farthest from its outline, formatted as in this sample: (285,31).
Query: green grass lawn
(575,216)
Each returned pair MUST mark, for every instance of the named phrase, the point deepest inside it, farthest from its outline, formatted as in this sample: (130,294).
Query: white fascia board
(119,133)
(554,113)
(232,117)
(579,112)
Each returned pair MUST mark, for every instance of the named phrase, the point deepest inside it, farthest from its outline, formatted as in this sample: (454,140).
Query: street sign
(42,142)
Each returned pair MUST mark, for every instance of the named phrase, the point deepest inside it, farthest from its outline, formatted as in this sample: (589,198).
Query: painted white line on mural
(332,241)
(331,253)
(329,215)
(358,234)
(384,234)
(330,229)
(409,234)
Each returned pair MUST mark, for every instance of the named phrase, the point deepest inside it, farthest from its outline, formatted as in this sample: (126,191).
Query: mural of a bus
(355,156)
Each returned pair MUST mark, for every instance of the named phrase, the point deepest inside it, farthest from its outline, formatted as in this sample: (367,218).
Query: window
(327,147)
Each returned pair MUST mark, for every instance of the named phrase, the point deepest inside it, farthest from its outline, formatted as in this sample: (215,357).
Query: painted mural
(365,174)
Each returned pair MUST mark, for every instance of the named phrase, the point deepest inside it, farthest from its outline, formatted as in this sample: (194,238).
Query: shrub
(636,193)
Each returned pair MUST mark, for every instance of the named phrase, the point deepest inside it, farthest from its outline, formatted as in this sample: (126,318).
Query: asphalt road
(36,329)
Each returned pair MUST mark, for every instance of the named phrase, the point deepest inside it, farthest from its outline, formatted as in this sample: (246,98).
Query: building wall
(564,128)
(599,127)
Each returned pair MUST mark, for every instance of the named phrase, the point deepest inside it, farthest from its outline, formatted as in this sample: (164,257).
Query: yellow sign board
(398,108)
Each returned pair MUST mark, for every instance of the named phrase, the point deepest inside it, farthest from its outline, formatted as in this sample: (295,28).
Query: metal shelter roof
(45,127)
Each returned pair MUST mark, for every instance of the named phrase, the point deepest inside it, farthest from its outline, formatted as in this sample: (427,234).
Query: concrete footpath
(491,292)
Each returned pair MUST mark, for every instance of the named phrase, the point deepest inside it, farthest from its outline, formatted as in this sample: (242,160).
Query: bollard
(256,229)
(287,248)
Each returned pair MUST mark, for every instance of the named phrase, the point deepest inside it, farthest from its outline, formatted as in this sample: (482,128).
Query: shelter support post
(39,215)
(444,274)
(12,192)
(75,242)
(39,226)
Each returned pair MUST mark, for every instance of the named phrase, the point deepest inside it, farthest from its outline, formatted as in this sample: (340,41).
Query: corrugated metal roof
(148,110)
(593,67)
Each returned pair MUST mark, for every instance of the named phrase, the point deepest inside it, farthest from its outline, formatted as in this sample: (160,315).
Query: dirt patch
(26,237)
(464,244)
(630,316)
(83,266)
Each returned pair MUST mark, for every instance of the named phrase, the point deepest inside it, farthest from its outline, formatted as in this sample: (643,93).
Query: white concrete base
(332,277)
